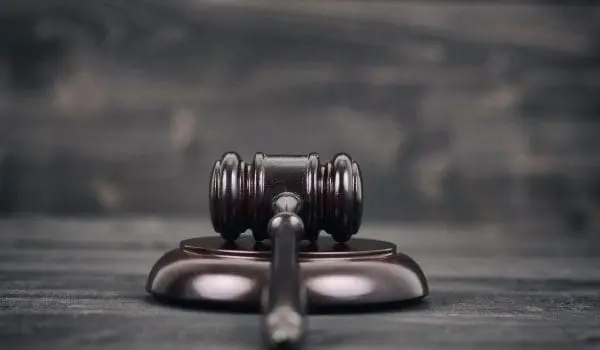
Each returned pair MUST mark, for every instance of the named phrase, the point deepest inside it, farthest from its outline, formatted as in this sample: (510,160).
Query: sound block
(361,272)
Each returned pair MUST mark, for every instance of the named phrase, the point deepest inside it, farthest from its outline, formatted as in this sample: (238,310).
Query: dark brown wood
(241,194)
(286,199)
(283,302)
(362,272)
(324,248)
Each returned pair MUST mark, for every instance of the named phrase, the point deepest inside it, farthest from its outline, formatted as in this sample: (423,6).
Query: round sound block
(360,272)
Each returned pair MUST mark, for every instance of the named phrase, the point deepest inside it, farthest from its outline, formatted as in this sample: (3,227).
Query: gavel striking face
(242,195)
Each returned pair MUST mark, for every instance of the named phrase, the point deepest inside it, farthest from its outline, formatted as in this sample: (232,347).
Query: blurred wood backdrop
(457,111)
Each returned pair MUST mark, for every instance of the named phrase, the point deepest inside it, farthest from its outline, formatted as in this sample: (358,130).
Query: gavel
(285,199)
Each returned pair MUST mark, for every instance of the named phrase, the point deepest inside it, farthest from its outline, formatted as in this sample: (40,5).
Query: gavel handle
(284,304)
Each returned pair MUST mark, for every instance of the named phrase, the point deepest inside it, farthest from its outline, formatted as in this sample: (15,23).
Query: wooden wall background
(457,111)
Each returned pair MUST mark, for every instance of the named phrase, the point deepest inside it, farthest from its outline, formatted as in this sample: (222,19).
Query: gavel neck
(287,202)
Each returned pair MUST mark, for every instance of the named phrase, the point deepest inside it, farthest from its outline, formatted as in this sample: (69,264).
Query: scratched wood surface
(78,284)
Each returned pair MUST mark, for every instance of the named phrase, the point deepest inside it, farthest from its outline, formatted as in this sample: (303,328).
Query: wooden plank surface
(78,284)
(456,110)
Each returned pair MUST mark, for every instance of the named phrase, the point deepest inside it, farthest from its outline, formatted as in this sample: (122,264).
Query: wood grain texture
(464,111)
(78,283)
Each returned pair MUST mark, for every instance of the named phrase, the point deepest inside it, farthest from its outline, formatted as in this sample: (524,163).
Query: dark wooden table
(79,284)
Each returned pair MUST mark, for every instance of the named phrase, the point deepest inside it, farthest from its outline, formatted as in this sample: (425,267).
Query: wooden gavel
(286,201)
(245,196)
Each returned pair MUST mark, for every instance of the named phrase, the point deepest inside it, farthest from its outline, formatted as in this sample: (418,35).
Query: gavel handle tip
(284,328)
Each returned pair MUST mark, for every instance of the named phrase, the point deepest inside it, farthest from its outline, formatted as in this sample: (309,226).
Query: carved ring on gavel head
(242,194)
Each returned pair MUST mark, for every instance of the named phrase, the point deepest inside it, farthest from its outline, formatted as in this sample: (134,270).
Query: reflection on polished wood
(360,272)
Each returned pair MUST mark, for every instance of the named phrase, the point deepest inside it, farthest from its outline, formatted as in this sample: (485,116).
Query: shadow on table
(407,305)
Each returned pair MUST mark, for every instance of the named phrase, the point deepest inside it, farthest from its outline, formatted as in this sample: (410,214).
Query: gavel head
(242,194)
